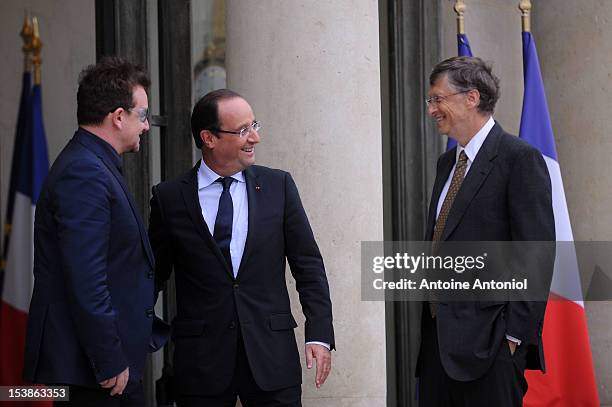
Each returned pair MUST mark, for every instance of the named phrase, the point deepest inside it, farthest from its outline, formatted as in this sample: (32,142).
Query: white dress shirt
(471,150)
(209,192)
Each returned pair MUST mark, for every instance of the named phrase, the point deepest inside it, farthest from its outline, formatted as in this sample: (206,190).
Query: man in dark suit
(226,227)
(491,187)
(91,314)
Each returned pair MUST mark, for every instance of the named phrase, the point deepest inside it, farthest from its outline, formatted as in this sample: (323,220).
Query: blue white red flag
(29,168)
(569,380)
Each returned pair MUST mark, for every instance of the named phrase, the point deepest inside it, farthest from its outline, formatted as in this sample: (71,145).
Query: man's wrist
(513,340)
(326,345)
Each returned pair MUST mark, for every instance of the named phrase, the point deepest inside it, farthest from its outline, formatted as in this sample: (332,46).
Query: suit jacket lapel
(82,138)
(143,235)
(189,190)
(253,188)
(479,171)
(446,165)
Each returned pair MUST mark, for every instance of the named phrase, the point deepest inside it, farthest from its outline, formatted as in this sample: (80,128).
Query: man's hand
(323,357)
(117,384)
(512,346)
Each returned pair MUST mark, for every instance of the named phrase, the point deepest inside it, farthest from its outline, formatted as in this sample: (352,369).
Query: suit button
(149,313)
(150,275)
(235,286)
(232,325)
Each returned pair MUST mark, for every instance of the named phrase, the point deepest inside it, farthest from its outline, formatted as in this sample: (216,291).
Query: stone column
(575,53)
(311,73)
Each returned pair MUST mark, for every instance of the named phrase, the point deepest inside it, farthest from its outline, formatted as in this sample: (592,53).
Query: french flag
(30,166)
(569,380)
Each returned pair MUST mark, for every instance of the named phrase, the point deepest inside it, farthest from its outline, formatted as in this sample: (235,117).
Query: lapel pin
(257,188)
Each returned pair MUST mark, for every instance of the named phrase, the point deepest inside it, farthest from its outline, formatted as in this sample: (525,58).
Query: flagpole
(26,35)
(460,9)
(36,48)
(525,7)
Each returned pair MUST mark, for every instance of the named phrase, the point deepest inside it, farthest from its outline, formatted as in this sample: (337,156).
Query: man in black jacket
(491,187)
(226,227)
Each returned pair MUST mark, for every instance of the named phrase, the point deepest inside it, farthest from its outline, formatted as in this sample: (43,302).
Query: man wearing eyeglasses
(491,187)
(90,322)
(227,227)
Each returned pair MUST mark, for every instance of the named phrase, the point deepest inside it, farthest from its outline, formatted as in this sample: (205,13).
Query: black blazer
(506,195)
(213,305)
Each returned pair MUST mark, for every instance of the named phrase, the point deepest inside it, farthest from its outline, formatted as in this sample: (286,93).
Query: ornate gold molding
(215,50)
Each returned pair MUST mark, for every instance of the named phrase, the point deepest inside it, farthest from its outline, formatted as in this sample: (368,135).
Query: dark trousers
(503,385)
(243,385)
(100,397)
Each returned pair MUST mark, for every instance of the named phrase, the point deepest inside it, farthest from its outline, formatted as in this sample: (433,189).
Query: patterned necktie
(455,185)
(453,189)
(225,216)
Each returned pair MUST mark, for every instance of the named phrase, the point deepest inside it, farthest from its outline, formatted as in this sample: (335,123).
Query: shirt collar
(471,149)
(112,153)
(207,177)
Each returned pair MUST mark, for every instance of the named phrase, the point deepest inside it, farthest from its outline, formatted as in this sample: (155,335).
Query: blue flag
(535,120)
(39,152)
(463,46)
(463,50)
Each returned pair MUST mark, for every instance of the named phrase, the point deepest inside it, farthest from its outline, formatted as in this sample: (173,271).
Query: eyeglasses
(435,100)
(243,132)
(143,113)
